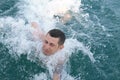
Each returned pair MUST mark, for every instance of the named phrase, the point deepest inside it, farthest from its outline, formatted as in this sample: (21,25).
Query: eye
(52,45)
(46,42)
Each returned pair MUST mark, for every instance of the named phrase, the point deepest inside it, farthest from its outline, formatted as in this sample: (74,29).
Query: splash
(43,11)
(14,34)
(18,37)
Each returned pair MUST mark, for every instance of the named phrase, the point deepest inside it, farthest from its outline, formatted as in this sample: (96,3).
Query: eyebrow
(50,43)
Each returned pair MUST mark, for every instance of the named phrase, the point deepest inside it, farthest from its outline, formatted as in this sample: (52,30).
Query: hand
(34,25)
(56,76)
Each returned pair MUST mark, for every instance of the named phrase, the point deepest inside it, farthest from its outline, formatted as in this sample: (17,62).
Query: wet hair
(58,34)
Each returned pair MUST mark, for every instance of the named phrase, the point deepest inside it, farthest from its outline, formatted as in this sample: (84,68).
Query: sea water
(93,38)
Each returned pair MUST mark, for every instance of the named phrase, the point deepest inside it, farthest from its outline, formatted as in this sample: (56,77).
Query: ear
(61,46)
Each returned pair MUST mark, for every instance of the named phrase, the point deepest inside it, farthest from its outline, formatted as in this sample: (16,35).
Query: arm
(56,76)
(37,33)
(57,71)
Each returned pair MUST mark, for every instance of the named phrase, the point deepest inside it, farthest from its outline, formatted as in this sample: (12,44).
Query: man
(53,42)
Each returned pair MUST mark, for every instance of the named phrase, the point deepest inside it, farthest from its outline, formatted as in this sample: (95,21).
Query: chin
(47,54)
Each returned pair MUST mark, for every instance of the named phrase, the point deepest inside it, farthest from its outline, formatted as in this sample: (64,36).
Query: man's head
(53,42)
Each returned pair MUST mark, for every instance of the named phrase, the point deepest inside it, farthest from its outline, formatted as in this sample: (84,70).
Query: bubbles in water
(16,34)
(18,30)
(41,76)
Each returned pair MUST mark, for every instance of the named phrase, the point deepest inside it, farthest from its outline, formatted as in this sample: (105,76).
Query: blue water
(100,32)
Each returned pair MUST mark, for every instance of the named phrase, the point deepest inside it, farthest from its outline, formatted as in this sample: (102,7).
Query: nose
(46,46)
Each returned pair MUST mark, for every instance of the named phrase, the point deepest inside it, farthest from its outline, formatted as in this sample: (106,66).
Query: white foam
(41,11)
(41,76)
(79,46)
(16,35)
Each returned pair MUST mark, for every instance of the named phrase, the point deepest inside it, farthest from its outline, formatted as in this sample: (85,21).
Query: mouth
(46,52)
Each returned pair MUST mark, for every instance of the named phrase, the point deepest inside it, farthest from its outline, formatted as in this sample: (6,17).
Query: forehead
(51,39)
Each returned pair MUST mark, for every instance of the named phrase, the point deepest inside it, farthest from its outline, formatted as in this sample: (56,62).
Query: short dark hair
(58,34)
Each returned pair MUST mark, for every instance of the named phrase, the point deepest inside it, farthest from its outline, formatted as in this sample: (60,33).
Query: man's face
(50,45)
